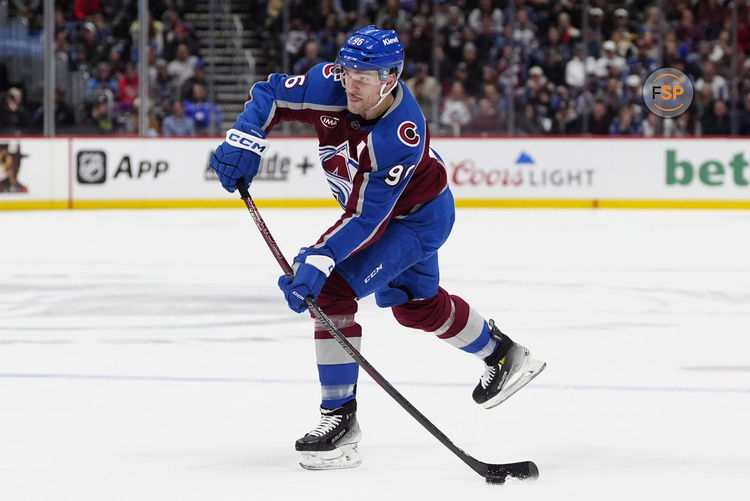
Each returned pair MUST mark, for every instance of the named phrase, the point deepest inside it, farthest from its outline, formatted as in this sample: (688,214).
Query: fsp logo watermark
(667,92)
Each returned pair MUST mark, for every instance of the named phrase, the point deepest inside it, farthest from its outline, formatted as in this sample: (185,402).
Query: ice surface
(147,355)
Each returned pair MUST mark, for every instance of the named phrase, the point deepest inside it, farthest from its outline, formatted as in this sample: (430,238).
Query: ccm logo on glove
(245,141)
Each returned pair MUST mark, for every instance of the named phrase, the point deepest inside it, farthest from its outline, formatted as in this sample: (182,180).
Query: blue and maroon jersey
(377,169)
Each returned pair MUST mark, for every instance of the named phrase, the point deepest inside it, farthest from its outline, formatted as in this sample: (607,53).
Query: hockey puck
(495,480)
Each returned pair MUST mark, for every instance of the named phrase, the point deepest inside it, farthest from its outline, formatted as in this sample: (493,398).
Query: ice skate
(506,371)
(333,443)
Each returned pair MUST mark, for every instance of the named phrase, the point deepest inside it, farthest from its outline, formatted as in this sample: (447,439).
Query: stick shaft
(474,464)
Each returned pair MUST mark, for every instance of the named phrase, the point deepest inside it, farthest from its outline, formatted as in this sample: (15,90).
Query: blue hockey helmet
(371,48)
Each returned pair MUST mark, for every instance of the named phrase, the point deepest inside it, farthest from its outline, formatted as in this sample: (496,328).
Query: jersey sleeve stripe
(308,106)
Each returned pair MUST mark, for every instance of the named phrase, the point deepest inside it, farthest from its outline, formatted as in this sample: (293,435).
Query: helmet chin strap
(383,96)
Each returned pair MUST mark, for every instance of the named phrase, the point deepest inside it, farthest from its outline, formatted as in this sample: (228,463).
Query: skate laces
(488,376)
(327,423)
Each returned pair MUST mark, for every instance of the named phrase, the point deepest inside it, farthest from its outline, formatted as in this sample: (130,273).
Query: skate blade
(529,370)
(346,456)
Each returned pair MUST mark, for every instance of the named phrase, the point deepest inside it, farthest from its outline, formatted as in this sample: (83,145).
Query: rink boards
(128,172)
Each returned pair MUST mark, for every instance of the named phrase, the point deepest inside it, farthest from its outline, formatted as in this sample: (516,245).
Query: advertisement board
(176,171)
(598,169)
(95,172)
(33,173)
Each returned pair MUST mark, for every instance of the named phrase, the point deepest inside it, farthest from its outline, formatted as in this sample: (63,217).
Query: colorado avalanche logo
(340,169)
(328,72)
(407,133)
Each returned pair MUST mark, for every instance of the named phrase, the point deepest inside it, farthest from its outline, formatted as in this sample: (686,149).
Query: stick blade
(498,473)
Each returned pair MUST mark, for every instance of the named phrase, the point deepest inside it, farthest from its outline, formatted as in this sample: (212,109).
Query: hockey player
(398,210)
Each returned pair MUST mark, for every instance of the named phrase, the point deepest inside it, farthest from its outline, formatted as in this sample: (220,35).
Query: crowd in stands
(97,41)
(476,67)
(528,67)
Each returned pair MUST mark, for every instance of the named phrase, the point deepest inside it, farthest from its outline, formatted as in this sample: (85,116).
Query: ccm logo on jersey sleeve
(247,141)
(407,133)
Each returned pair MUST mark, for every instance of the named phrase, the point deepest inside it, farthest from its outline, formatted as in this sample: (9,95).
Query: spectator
(84,8)
(596,32)
(426,104)
(326,37)
(577,68)
(622,23)
(99,115)
(688,32)
(712,79)
(716,122)
(422,38)
(128,88)
(485,119)
(456,110)
(473,69)
(653,125)
(177,124)
(623,44)
(310,59)
(599,119)
(155,33)
(199,77)
(537,81)
(14,117)
(486,11)
(487,39)
(492,94)
(632,96)
(430,85)
(205,113)
(625,124)
(524,33)
(645,61)
(102,80)
(181,68)
(161,86)
(610,58)
(392,17)
(682,126)
(565,120)
(89,43)
(553,57)
(569,34)
(181,34)
(116,64)
(64,115)
(743,34)
(452,34)
(611,96)
(528,123)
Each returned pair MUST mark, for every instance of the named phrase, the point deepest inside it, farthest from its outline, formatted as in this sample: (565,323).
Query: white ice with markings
(148,355)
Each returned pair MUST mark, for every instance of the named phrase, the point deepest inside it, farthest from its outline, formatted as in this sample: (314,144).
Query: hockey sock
(451,319)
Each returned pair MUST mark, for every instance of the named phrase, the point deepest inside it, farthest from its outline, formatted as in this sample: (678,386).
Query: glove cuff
(246,141)
(322,262)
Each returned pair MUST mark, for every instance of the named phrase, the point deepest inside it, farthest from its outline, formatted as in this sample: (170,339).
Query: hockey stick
(493,473)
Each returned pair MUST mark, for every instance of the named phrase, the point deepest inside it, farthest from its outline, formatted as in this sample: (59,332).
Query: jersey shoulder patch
(324,87)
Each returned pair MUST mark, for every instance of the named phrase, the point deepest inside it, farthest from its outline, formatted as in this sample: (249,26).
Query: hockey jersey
(377,170)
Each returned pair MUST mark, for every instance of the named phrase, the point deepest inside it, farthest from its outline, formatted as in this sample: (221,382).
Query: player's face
(362,90)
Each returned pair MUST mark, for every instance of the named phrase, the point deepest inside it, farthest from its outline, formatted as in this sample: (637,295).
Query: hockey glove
(238,157)
(310,273)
